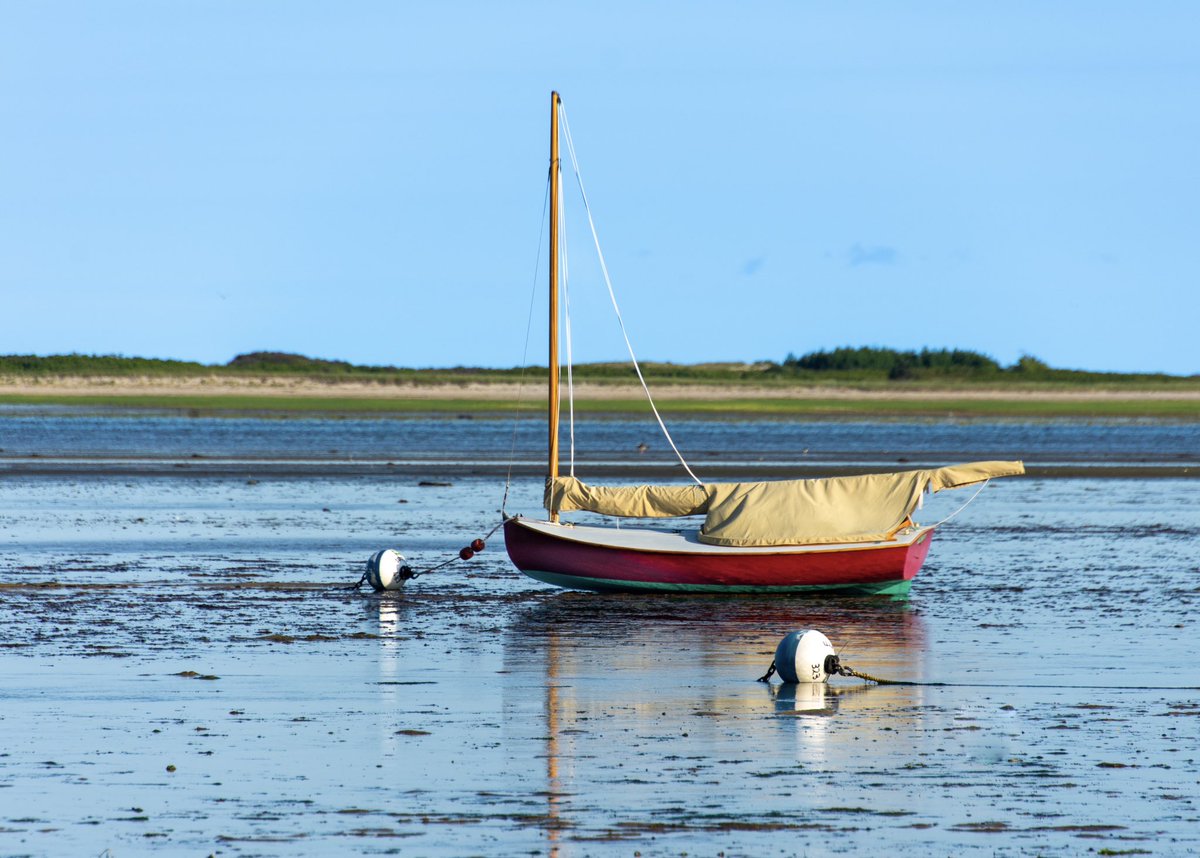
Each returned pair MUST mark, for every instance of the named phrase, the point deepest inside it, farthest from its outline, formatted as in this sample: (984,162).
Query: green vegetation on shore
(866,367)
(863,382)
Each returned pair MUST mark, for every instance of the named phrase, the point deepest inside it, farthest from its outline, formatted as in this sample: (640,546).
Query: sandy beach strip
(533,390)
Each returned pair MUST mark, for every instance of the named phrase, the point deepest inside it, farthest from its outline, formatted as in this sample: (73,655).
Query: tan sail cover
(867,508)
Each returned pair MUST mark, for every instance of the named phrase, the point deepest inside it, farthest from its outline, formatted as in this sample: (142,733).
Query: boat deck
(687,541)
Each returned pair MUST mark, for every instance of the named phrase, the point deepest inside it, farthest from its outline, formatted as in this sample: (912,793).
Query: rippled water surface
(53,433)
(185,673)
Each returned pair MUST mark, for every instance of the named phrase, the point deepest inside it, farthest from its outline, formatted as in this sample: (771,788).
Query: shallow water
(77,433)
(196,624)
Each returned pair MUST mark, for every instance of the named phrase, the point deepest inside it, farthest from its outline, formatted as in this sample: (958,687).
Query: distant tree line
(897,364)
(840,365)
(77,364)
(933,364)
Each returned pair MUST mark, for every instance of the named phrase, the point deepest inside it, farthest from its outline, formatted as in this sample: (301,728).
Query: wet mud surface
(185,673)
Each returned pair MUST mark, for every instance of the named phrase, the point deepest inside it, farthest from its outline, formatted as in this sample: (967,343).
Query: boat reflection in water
(636,692)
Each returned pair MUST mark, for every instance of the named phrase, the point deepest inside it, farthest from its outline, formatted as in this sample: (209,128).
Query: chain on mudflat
(834,667)
(808,656)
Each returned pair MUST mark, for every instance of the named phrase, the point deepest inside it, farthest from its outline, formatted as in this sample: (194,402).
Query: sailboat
(841,533)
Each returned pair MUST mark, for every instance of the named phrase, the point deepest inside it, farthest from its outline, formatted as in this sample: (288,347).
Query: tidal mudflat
(185,673)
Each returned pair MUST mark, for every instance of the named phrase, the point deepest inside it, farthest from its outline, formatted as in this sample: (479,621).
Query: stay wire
(613,296)
(965,505)
(566,281)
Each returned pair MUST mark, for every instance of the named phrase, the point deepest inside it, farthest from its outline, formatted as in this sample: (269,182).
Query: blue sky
(364,180)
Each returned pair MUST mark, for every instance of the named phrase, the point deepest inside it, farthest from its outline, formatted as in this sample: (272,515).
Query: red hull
(571,561)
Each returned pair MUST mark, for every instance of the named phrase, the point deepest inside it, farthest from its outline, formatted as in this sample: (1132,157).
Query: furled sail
(866,508)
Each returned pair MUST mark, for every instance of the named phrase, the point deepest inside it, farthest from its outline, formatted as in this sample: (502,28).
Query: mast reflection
(682,670)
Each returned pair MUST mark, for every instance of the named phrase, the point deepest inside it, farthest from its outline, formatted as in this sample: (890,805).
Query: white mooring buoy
(804,657)
(386,570)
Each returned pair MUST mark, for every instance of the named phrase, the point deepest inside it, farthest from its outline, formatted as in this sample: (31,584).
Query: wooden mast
(554,215)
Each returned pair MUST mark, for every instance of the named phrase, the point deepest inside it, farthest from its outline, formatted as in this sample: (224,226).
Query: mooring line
(849,671)
(464,553)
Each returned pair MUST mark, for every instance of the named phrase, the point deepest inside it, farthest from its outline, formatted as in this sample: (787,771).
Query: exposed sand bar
(284,395)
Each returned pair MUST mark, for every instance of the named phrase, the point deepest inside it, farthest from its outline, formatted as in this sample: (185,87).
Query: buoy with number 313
(803,657)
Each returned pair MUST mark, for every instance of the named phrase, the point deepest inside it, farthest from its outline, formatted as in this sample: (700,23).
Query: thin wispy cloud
(863,254)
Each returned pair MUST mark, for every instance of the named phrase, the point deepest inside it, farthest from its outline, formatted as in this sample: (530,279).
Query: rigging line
(1122,688)
(964,506)
(613,296)
(566,289)
(537,266)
